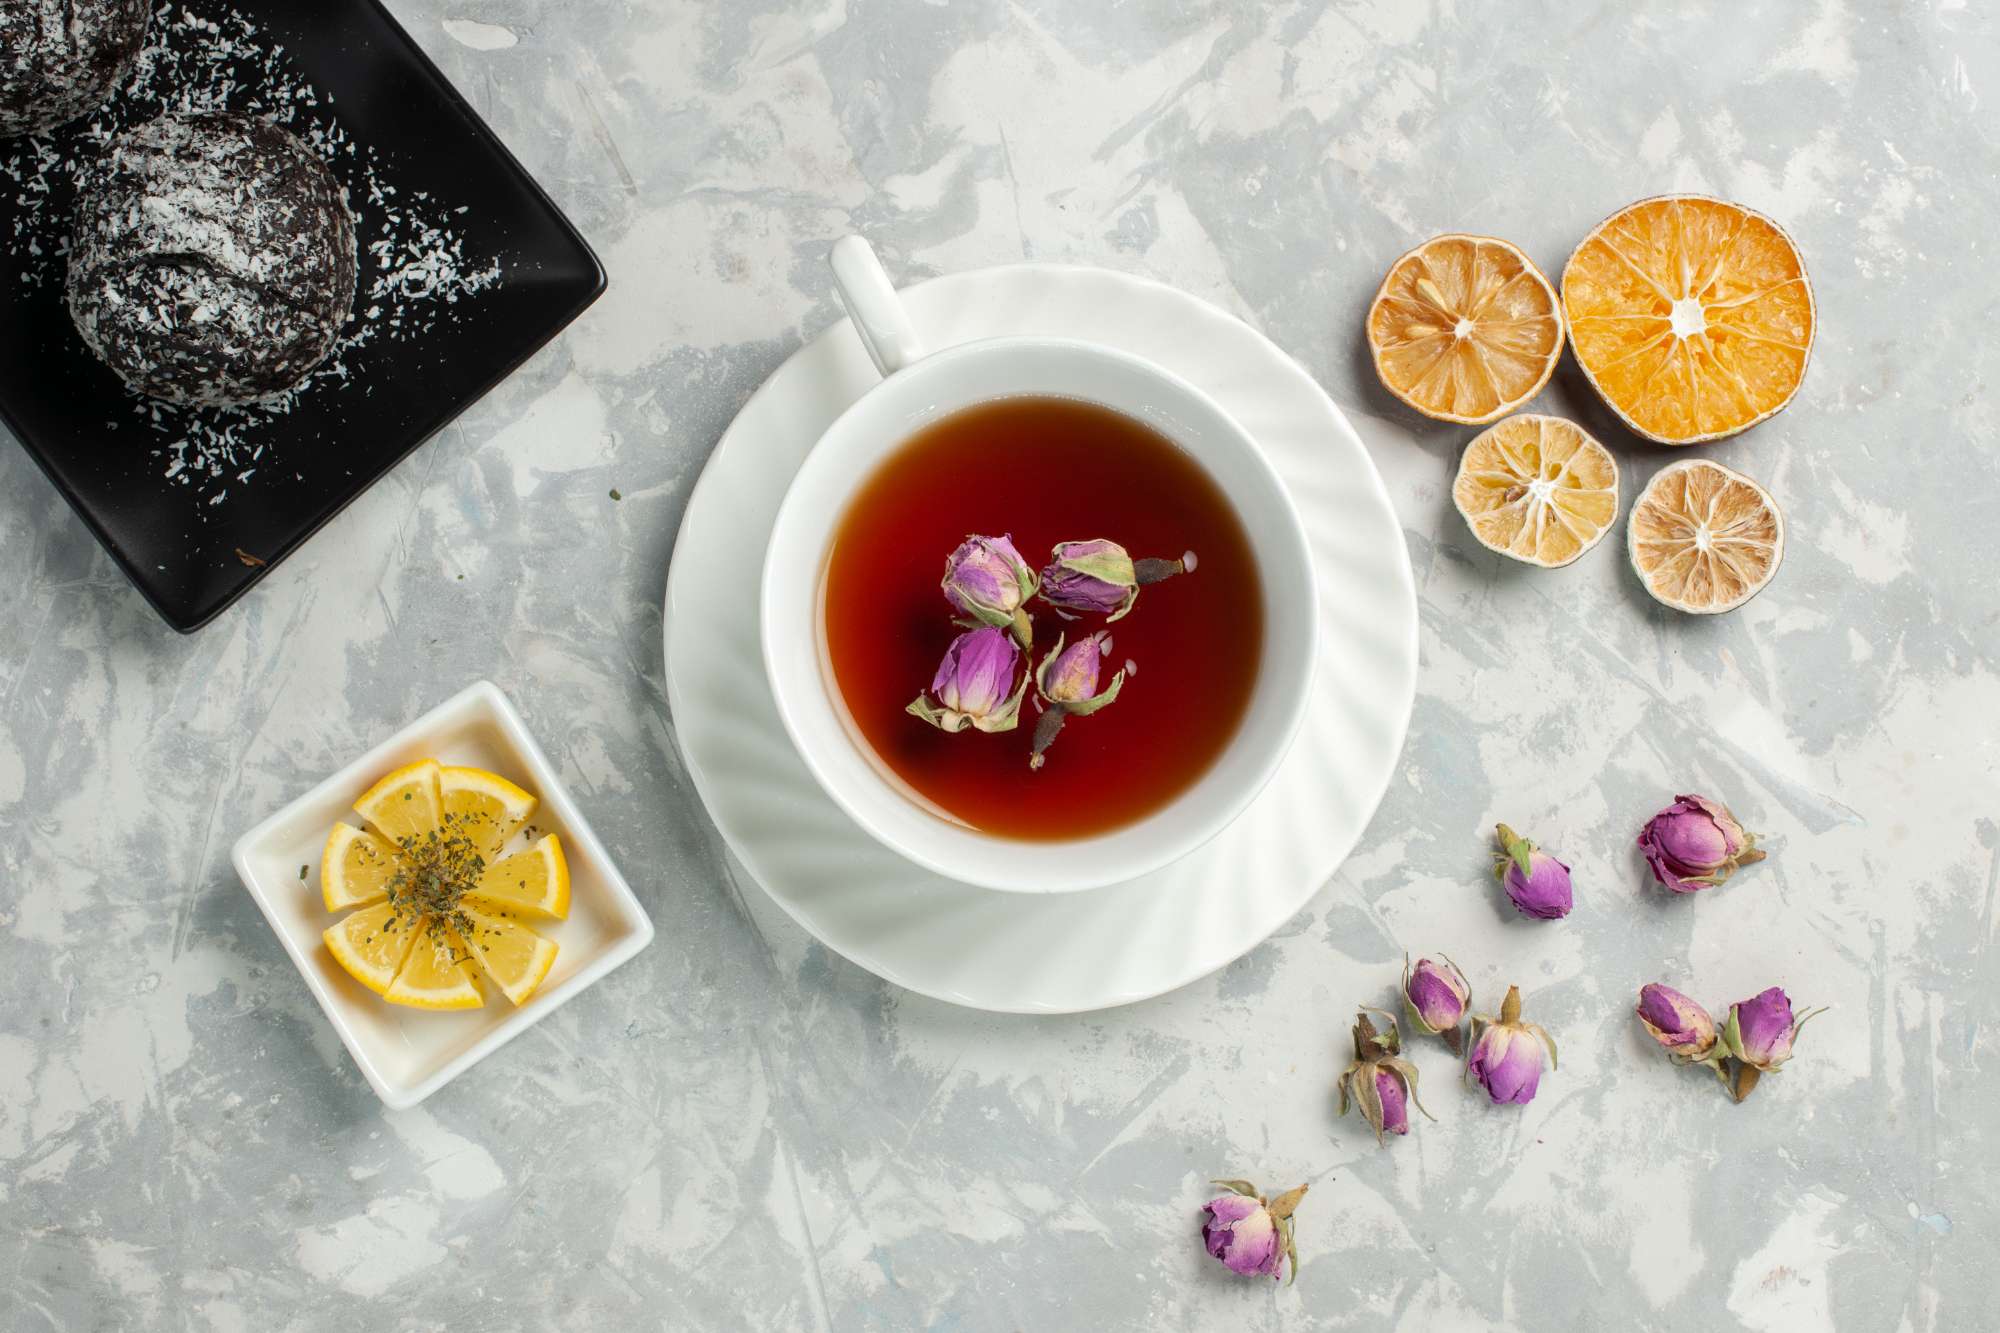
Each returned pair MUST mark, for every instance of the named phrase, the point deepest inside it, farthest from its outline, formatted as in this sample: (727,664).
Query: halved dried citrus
(534,881)
(1692,316)
(482,806)
(371,944)
(438,974)
(356,868)
(513,957)
(405,804)
(1538,489)
(1465,329)
(1705,538)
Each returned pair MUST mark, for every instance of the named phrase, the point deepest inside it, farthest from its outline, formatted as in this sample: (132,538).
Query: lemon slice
(1692,317)
(1537,489)
(438,974)
(482,806)
(512,956)
(404,806)
(535,881)
(1705,538)
(1465,329)
(356,868)
(371,945)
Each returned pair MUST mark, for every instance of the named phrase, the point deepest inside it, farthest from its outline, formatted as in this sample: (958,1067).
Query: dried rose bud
(1099,577)
(1389,1096)
(986,579)
(1759,1034)
(1695,844)
(1507,1053)
(1380,1081)
(1536,883)
(1682,1027)
(980,683)
(1067,682)
(1435,997)
(1251,1235)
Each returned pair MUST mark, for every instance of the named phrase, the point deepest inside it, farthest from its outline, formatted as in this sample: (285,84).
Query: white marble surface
(740,1130)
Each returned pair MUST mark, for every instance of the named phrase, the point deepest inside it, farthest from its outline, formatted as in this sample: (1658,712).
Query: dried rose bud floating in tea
(1043,471)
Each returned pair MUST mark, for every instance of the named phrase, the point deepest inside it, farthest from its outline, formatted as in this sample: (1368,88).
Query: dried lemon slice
(1692,316)
(1537,489)
(1465,329)
(1705,538)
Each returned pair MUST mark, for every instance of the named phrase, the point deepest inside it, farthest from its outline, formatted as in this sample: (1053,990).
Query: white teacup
(917,390)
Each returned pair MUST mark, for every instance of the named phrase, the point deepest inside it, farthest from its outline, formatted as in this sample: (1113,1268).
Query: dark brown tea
(1046,470)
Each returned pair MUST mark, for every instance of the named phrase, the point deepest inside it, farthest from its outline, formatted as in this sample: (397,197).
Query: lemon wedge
(404,806)
(356,868)
(482,806)
(513,957)
(535,881)
(371,945)
(438,974)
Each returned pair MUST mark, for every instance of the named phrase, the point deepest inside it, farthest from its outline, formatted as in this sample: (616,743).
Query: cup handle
(871,303)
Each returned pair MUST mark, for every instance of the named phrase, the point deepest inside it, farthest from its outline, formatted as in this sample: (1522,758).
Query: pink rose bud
(1395,1110)
(980,683)
(1759,1034)
(1252,1236)
(1680,1025)
(1099,577)
(1536,883)
(1067,682)
(1380,1081)
(1435,997)
(1507,1054)
(1695,844)
(1096,577)
(986,579)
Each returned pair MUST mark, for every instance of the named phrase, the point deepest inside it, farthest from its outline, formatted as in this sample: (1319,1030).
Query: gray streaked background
(740,1130)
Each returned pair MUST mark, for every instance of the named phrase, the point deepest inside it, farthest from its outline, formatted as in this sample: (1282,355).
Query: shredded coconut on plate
(211,58)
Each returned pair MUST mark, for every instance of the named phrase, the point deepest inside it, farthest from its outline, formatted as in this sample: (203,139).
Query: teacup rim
(993,873)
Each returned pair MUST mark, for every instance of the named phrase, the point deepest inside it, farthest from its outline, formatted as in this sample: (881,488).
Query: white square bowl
(408,1054)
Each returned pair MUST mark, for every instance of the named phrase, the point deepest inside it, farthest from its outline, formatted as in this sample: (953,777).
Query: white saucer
(1059,953)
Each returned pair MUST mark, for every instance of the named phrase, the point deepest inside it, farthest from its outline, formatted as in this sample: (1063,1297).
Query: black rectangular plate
(181,552)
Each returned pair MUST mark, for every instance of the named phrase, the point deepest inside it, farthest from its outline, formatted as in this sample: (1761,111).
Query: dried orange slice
(1705,538)
(1465,329)
(1537,489)
(1693,317)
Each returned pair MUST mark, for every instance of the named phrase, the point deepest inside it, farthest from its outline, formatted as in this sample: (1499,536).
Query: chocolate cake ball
(212,260)
(60,58)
